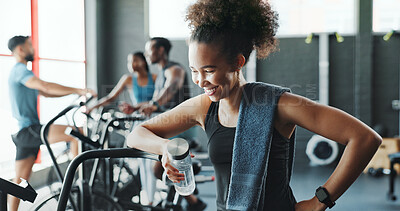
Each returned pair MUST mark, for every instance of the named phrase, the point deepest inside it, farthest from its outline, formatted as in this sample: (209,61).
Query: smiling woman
(217,77)
(251,126)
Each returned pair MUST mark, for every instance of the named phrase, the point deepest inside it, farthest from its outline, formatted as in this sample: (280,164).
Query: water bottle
(178,153)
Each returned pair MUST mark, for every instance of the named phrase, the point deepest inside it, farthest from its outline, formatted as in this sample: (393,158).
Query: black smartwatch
(323,196)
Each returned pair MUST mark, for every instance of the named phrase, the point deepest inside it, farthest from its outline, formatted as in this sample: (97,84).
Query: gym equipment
(82,195)
(321,151)
(23,191)
(111,184)
(394,159)
(378,172)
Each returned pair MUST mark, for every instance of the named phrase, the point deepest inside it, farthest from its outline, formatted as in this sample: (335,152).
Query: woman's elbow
(375,140)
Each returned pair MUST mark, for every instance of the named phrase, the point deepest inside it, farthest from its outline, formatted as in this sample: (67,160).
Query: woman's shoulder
(127,76)
(197,105)
(201,102)
(127,79)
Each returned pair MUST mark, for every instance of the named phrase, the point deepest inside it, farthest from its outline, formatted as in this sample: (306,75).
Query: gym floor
(367,193)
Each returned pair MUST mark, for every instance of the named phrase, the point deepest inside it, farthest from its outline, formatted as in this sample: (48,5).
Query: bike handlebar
(26,193)
(110,123)
(91,154)
(45,128)
(80,136)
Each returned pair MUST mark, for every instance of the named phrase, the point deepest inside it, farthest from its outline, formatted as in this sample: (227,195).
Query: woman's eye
(209,71)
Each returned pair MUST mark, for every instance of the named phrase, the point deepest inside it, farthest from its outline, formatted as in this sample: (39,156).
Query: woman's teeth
(210,91)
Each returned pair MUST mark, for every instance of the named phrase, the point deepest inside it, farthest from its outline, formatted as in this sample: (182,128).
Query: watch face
(321,194)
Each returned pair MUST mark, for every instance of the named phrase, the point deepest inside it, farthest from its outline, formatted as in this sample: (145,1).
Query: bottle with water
(178,153)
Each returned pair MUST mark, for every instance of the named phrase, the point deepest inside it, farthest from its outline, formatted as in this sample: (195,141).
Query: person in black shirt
(224,33)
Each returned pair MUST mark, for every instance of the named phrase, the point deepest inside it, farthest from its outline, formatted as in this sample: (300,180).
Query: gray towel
(252,145)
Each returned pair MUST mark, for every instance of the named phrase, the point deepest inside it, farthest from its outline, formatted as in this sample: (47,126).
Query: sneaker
(199,206)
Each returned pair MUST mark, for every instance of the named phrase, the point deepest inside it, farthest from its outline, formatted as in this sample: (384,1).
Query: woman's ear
(240,61)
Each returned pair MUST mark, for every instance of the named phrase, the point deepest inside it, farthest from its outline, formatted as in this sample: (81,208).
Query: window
(61,46)
(61,51)
(18,25)
(386,15)
(11,24)
(296,17)
(300,17)
(167,18)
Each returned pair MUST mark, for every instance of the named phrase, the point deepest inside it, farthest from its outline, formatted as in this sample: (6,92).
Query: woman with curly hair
(251,126)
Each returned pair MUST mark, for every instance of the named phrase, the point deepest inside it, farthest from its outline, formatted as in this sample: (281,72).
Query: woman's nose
(201,80)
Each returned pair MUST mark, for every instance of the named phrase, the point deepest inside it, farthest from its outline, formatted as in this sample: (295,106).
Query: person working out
(139,80)
(251,126)
(171,86)
(171,89)
(24,88)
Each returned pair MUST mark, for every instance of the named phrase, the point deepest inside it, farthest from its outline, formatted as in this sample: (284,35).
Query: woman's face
(134,63)
(211,71)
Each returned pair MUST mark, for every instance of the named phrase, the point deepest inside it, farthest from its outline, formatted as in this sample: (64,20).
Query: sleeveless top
(143,93)
(278,194)
(181,95)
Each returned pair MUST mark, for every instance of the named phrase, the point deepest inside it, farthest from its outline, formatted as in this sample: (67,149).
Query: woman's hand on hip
(310,205)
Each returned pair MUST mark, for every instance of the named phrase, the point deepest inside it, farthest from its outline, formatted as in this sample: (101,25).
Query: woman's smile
(210,91)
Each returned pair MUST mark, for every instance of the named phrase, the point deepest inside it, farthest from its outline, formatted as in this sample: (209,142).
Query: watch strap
(326,200)
(329,203)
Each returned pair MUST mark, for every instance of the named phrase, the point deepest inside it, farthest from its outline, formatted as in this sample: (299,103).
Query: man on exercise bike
(24,88)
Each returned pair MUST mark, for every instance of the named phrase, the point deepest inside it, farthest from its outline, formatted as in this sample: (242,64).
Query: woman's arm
(115,92)
(153,134)
(360,140)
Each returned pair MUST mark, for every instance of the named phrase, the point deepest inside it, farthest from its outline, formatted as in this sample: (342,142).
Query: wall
(296,66)
(121,30)
(386,83)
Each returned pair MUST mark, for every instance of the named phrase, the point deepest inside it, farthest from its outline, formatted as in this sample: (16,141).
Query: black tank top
(278,195)
(181,95)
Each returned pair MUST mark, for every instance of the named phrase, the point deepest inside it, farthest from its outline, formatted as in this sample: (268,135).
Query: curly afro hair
(238,26)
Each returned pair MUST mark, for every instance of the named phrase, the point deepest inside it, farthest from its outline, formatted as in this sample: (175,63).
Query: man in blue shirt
(24,88)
